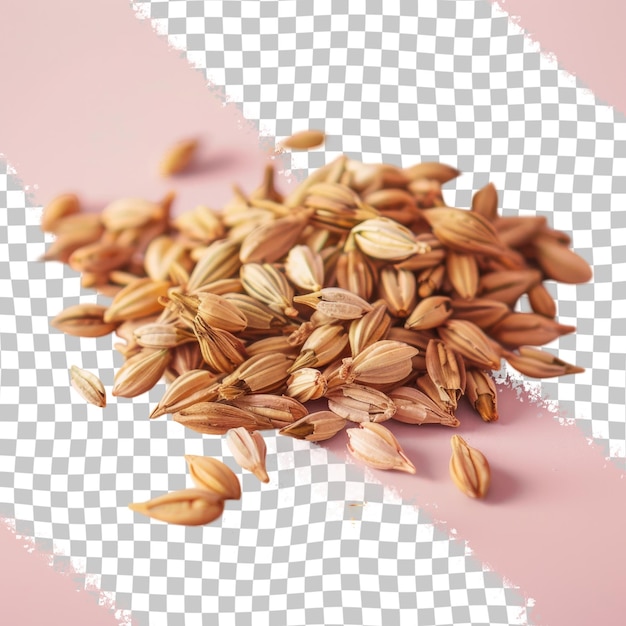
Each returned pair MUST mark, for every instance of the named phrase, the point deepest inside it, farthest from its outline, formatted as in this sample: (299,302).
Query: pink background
(90,83)
(586,37)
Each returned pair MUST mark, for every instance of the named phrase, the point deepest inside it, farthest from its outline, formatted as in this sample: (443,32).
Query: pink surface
(91,99)
(95,97)
(553,522)
(33,593)
(587,39)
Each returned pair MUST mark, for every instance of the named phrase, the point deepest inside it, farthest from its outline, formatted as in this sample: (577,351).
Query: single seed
(304,140)
(88,385)
(249,450)
(189,507)
(376,446)
(214,476)
(178,158)
(469,468)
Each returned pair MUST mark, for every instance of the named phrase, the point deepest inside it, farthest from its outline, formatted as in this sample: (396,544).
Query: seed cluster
(360,287)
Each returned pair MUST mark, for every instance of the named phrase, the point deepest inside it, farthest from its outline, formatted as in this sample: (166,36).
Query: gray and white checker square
(397,82)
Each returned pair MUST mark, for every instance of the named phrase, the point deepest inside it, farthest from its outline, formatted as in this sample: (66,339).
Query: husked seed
(178,157)
(360,289)
(469,468)
(304,140)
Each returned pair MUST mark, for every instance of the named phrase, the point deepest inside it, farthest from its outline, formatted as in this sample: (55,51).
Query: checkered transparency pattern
(448,80)
(319,545)
(477,95)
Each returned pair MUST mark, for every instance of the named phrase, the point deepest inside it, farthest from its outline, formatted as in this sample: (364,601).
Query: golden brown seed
(336,207)
(66,244)
(217,312)
(304,140)
(415,407)
(431,312)
(306,384)
(481,394)
(372,327)
(538,363)
(507,286)
(244,224)
(330,172)
(190,387)
(277,411)
(426,385)
(189,507)
(335,302)
(218,260)
(430,280)
(138,299)
(470,342)
(271,241)
(356,273)
(446,369)
(330,257)
(518,329)
(385,239)
(161,336)
(396,204)
(359,403)
(465,231)
(99,257)
(462,272)
(259,317)
(317,426)
(88,385)
(127,214)
(516,231)
(432,170)
(381,362)
(559,263)
(485,202)
(375,445)
(325,344)
(305,268)
(481,311)
(469,468)
(369,177)
(84,320)
(303,332)
(265,283)
(221,350)
(221,287)
(541,301)
(263,373)
(202,225)
(416,338)
(278,343)
(215,418)
(249,450)
(126,330)
(186,358)
(398,288)
(214,476)
(331,191)
(140,372)
(161,253)
(57,209)
(85,224)
(178,158)
(430,259)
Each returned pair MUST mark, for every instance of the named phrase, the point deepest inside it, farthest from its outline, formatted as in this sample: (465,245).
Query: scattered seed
(360,287)
(304,140)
